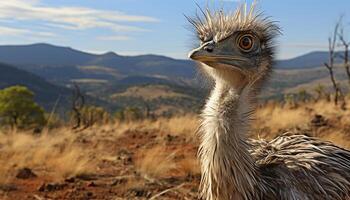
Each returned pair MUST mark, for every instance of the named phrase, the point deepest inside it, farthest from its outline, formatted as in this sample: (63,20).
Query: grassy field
(148,159)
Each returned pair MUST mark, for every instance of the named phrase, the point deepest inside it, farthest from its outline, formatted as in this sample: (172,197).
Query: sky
(134,27)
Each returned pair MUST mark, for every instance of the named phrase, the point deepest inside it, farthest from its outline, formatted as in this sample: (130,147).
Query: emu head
(235,48)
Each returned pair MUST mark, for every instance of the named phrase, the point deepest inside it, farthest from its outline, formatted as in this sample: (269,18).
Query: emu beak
(197,54)
(202,53)
(206,54)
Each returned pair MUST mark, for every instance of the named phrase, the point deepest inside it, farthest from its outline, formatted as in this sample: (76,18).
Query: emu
(237,51)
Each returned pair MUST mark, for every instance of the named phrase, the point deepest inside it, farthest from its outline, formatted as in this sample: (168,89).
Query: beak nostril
(208,49)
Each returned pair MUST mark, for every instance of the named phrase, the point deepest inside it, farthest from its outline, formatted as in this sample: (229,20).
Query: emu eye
(246,42)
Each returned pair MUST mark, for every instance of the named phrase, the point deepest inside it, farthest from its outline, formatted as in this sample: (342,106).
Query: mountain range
(50,70)
(64,63)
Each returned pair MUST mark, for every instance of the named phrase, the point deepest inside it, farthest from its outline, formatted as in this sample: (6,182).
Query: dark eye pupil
(246,42)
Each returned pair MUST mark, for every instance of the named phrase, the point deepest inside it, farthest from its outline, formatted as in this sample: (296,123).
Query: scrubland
(143,159)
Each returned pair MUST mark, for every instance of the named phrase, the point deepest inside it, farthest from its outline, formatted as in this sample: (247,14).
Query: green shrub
(18,108)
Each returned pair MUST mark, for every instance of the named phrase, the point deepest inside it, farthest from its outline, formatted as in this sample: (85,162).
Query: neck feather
(228,169)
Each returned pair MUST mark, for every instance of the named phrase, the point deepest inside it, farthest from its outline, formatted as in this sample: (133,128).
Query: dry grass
(158,149)
(274,119)
(155,162)
(277,117)
(46,153)
(60,152)
(149,92)
(185,125)
(189,166)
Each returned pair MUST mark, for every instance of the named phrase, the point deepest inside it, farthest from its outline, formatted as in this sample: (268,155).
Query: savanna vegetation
(132,154)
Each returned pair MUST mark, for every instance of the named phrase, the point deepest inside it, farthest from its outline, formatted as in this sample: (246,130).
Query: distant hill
(43,55)
(110,77)
(46,93)
(64,63)
(309,60)
(46,55)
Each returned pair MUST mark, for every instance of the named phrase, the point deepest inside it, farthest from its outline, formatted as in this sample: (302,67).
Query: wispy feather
(218,24)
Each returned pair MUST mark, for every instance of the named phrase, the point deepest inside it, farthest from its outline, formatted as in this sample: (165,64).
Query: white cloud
(77,18)
(9,31)
(12,31)
(114,38)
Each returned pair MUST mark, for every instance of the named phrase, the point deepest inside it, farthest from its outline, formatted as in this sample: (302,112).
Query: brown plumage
(237,52)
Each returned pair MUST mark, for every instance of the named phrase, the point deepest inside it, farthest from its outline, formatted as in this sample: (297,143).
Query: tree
(18,108)
(94,115)
(77,106)
(332,41)
(345,44)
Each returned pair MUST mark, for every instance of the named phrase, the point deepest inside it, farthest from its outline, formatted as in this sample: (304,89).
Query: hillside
(293,80)
(62,64)
(114,78)
(46,93)
(309,60)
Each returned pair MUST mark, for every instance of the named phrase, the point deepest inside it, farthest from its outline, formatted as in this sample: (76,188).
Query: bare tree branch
(78,104)
(345,44)
(326,64)
(332,42)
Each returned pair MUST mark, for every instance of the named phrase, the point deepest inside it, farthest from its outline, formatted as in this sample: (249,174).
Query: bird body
(237,52)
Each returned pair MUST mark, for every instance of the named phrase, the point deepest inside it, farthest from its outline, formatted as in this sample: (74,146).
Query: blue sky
(133,27)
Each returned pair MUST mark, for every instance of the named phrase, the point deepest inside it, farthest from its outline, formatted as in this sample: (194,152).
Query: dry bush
(55,154)
(155,162)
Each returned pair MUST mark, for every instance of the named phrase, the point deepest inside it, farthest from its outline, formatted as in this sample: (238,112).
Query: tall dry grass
(55,154)
(184,125)
(270,121)
(273,119)
(155,162)
(61,153)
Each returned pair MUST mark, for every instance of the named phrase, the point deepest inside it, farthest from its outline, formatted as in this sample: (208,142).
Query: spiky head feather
(218,25)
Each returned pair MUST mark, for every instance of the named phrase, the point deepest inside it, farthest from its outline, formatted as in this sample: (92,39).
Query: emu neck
(228,169)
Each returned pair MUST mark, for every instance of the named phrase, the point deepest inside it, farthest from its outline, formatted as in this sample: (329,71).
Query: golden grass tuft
(56,153)
(155,162)
(189,166)
(277,117)
(185,125)
(274,119)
